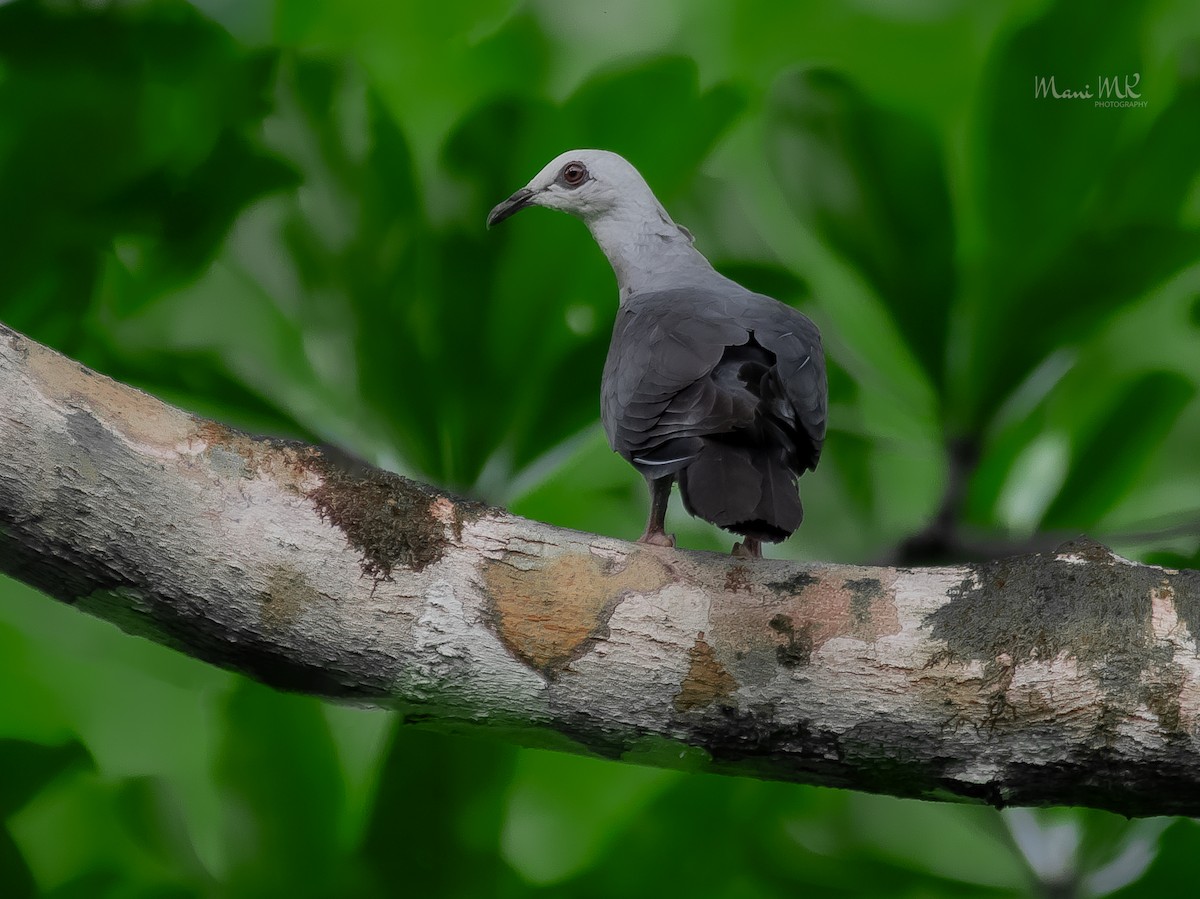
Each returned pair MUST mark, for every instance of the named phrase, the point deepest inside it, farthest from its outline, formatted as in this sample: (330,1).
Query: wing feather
(661,385)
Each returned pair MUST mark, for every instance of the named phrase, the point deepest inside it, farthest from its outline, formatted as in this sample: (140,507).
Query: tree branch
(1065,677)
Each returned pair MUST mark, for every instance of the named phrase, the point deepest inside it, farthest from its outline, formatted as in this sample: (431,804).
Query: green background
(272,213)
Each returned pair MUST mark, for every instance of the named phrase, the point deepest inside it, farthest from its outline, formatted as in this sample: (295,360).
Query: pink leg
(660,494)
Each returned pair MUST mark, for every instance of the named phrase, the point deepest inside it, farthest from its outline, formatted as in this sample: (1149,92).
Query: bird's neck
(647,250)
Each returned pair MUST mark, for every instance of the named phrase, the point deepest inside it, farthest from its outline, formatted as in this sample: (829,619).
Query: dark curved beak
(513,204)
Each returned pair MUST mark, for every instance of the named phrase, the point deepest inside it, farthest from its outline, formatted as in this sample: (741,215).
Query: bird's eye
(573,174)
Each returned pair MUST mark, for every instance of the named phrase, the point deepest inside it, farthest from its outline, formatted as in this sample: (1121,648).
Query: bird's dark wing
(799,369)
(675,372)
(656,394)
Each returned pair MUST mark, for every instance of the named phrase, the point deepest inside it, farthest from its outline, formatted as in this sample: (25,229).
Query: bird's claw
(657,538)
(742,551)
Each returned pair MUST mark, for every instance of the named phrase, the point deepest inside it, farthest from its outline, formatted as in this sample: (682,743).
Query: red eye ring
(574,173)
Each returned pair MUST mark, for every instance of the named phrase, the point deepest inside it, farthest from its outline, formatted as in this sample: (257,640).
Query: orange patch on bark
(236,455)
(858,603)
(137,416)
(547,615)
(706,681)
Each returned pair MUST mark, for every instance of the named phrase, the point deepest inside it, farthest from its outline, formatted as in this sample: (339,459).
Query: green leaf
(772,280)
(1040,158)
(16,880)
(588,487)
(1115,850)
(36,712)
(1172,870)
(119,120)
(179,346)
(628,111)
(955,842)
(1082,203)
(151,810)
(871,182)
(200,383)
(1094,276)
(279,776)
(1147,182)
(28,767)
(1001,451)
(179,220)
(849,456)
(564,810)
(1107,462)
(101,881)
(437,816)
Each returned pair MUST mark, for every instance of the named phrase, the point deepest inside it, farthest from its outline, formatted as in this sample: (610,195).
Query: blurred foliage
(270,212)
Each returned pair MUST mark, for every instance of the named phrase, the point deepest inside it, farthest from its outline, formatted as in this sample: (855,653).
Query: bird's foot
(657,538)
(751,549)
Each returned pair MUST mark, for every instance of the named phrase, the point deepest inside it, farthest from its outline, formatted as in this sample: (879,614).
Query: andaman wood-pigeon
(706,382)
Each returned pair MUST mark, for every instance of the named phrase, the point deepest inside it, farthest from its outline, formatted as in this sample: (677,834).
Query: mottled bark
(1067,677)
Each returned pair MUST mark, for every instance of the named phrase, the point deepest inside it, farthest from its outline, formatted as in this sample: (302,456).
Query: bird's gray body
(725,389)
(706,382)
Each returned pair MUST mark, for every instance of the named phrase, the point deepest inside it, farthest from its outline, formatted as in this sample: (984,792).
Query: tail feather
(743,489)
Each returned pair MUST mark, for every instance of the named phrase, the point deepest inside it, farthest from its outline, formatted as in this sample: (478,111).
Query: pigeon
(706,383)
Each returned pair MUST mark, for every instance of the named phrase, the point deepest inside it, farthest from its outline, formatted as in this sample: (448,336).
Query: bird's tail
(742,489)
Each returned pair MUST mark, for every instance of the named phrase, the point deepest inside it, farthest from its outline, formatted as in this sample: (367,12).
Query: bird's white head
(610,195)
(590,184)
